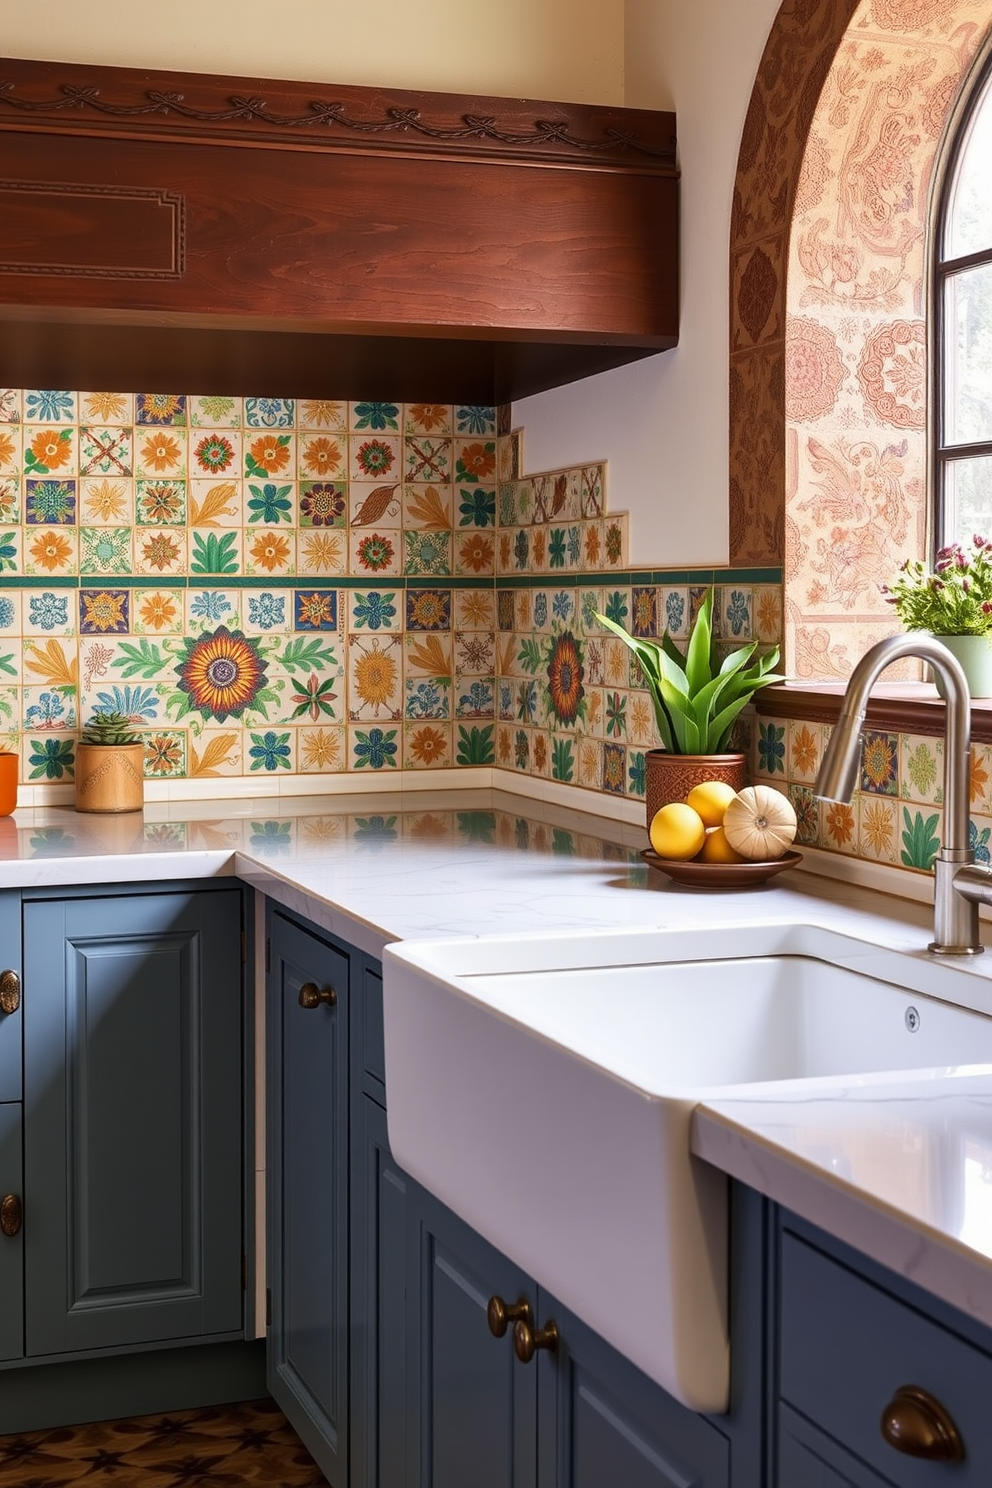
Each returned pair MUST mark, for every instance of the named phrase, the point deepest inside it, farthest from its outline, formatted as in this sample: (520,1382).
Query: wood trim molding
(899,707)
(126,102)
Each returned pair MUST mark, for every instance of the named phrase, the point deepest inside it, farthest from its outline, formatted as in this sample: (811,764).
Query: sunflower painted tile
(593,545)
(106,408)
(838,825)
(878,828)
(157,612)
(160,451)
(269,552)
(880,762)
(375,677)
(321,749)
(158,552)
(428,418)
(315,609)
(981,779)
(322,456)
(321,553)
(805,747)
(427,745)
(322,413)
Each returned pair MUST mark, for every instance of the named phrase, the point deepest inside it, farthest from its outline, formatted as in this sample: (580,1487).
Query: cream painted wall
(663,423)
(562,49)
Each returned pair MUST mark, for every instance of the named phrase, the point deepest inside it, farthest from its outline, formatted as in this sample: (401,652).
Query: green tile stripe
(625,577)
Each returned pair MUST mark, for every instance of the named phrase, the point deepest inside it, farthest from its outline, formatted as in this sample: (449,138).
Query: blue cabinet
(441,1402)
(852,1339)
(11,1235)
(307,1097)
(133,1198)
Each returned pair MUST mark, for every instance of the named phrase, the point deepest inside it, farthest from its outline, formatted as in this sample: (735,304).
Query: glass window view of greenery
(963,301)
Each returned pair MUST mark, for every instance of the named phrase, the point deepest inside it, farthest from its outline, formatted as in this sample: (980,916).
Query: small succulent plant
(108,727)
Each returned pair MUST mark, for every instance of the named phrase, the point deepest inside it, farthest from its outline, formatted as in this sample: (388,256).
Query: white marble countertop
(899,1166)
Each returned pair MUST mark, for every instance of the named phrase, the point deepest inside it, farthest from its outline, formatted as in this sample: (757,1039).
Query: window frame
(976,92)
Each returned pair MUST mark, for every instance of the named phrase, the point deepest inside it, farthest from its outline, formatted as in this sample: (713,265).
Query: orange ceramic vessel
(9,770)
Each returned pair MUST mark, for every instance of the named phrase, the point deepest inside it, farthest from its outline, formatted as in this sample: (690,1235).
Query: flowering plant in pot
(697,699)
(953,601)
(109,765)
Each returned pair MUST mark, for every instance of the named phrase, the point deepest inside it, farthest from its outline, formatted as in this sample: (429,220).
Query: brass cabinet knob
(10,991)
(311,996)
(915,1422)
(500,1314)
(11,1214)
(526,1342)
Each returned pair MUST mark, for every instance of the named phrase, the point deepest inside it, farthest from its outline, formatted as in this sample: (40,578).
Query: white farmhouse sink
(543,1087)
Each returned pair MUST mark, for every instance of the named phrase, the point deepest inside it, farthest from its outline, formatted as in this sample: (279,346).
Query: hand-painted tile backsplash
(270,587)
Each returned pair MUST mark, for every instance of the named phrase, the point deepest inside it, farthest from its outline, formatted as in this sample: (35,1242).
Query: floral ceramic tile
(475,419)
(374,553)
(269,551)
(322,414)
(373,748)
(919,836)
(804,750)
(981,779)
(427,745)
(10,405)
(157,612)
(921,768)
(157,552)
(375,677)
(428,418)
(880,762)
(770,748)
(269,413)
(10,449)
(428,653)
(214,411)
(160,452)
(322,553)
(321,750)
(878,828)
(157,503)
(49,552)
(106,550)
(49,406)
(735,613)
(475,697)
(428,609)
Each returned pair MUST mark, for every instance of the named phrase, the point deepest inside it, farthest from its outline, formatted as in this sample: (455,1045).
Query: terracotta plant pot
(9,771)
(670,777)
(110,777)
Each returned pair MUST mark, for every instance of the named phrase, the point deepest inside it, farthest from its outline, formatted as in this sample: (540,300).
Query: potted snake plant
(697,700)
(109,765)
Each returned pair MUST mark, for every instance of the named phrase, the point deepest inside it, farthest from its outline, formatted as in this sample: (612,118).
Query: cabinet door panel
(478,1405)
(11,1246)
(808,1459)
(308,1110)
(133,1133)
(10,1023)
(603,1422)
(382,1233)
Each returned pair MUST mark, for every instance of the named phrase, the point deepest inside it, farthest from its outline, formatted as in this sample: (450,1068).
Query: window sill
(900,707)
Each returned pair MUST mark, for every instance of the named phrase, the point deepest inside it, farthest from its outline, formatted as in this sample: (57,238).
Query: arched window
(963,329)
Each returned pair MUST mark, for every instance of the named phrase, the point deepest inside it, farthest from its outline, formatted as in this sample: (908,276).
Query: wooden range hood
(164,230)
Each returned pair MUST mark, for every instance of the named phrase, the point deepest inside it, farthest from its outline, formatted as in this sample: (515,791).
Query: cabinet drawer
(847,1346)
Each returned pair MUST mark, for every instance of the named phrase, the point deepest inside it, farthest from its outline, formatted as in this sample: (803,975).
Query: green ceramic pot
(975,655)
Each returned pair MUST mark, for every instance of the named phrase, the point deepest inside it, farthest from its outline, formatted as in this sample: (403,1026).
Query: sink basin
(543,1088)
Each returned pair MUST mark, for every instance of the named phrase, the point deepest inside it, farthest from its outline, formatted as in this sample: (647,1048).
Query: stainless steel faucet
(960,884)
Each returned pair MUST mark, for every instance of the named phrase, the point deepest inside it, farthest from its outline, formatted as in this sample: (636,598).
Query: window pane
(968,356)
(969,214)
(968,498)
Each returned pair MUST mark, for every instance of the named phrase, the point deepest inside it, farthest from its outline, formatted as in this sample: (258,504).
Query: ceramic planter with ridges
(110,777)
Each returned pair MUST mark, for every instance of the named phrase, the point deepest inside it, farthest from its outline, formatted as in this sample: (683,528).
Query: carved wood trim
(157,230)
(126,101)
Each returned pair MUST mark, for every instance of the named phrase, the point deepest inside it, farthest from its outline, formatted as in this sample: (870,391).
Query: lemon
(716,848)
(677,831)
(711,799)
